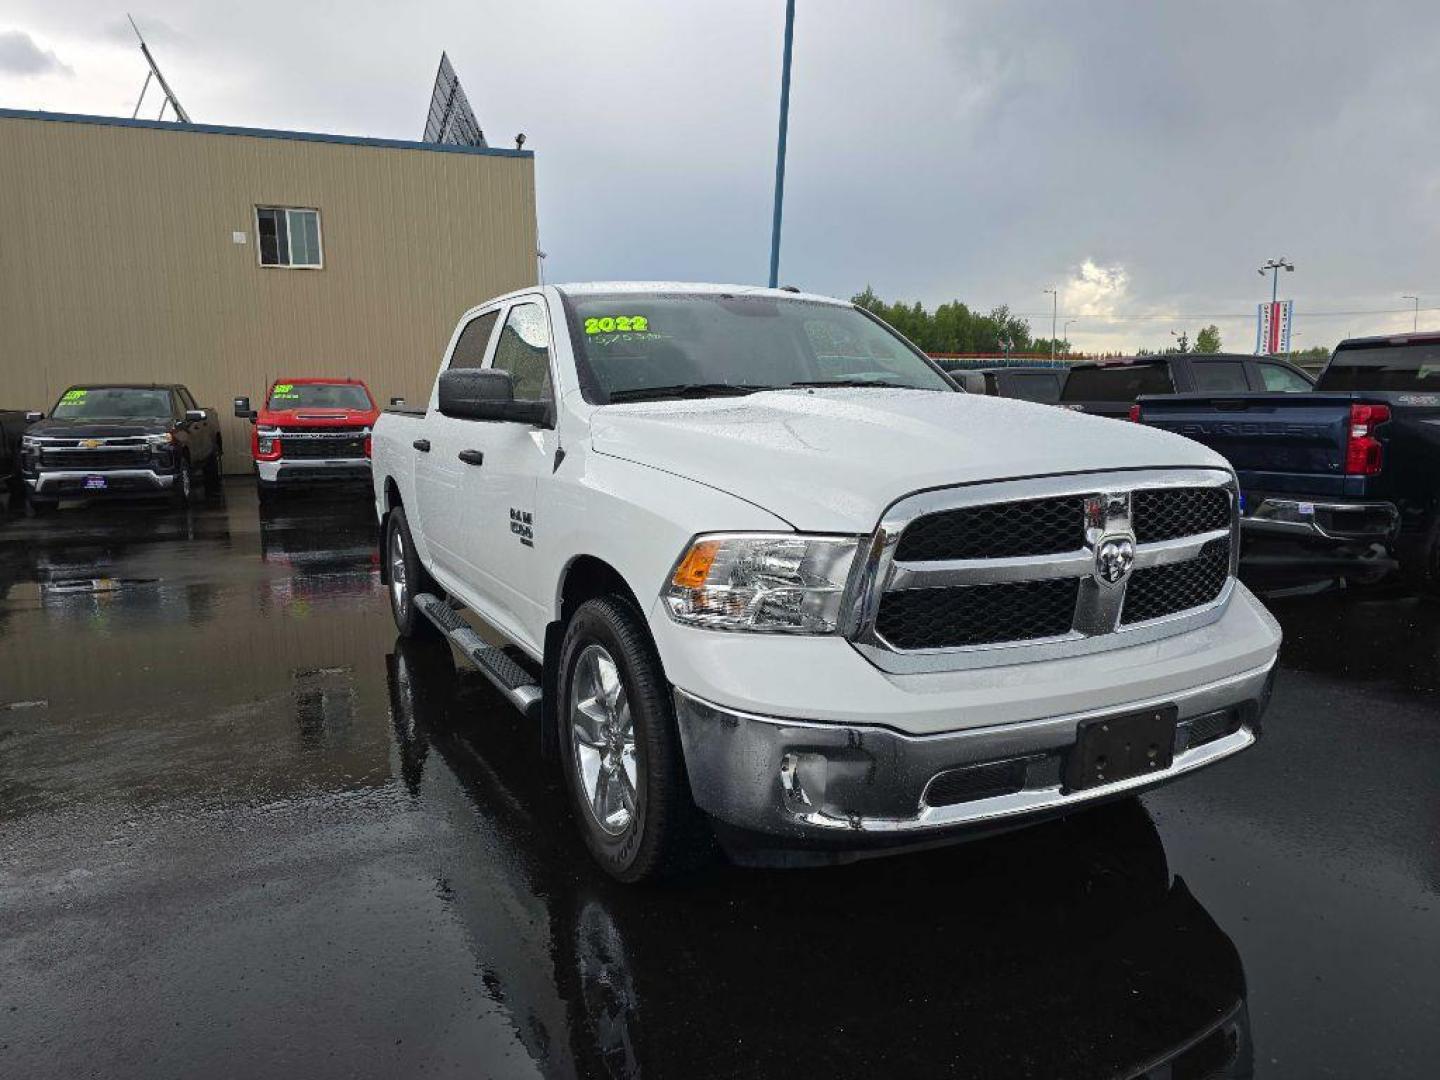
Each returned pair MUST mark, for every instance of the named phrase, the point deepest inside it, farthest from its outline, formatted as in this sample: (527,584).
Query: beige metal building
(223,257)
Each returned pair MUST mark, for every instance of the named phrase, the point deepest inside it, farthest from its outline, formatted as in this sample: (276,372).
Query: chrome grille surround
(1097,625)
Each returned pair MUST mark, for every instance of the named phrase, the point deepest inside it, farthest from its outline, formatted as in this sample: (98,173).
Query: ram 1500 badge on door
(761,574)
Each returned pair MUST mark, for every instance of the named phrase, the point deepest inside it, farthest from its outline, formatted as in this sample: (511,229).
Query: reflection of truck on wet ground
(1347,469)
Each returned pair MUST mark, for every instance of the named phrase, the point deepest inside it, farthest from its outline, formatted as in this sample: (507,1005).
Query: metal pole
(780,149)
(148,76)
(1054,314)
(1414,326)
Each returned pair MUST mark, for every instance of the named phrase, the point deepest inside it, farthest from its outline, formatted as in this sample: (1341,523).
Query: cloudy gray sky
(1143,157)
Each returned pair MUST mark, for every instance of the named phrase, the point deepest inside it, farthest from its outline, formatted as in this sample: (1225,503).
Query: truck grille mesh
(1170,513)
(949,618)
(299,447)
(130,457)
(1164,590)
(996,531)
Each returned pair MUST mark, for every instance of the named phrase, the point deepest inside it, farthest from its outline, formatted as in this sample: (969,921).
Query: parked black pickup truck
(12,426)
(1030,383)
(1111,387)
(1355,464)
(110,439)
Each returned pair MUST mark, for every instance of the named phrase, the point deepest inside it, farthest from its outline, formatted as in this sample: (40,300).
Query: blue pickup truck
(1352,465)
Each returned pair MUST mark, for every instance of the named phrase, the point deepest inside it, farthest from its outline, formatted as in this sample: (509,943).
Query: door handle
(423,445)
(472,457)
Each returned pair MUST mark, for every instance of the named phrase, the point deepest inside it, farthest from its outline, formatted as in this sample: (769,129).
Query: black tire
(665,834)
(42,507)
(267,491)
(1420,562)
(398,545)
(183,490)
(214,471)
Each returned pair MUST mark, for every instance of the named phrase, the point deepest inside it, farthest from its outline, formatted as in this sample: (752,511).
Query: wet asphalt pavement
(243,832)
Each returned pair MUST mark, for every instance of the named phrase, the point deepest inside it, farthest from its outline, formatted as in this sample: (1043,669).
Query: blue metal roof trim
(261,133)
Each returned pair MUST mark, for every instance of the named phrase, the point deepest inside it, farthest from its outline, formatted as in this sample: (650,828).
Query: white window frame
(319,238)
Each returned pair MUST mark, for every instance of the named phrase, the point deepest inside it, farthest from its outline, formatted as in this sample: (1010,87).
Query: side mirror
(194,416)
(33,415)
(486,394)
(397,401)
(243,410)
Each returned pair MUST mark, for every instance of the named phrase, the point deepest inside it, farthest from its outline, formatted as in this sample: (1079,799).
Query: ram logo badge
(522,524)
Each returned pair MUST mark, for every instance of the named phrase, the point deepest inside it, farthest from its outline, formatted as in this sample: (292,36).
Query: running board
(512,680)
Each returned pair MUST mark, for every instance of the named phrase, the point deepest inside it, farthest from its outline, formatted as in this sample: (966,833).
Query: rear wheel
(41,507)
(620,748)
(1420,562)
(406,577)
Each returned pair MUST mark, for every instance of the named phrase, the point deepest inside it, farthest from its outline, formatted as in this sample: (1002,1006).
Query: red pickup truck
(311,430)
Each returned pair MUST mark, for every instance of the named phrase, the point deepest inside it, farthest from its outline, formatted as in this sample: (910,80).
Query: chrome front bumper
(1340,521)
(814,781)
(46,482)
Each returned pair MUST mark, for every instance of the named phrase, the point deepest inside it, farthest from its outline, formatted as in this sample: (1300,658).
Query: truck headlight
(266,440)
(776,583)
(165,438)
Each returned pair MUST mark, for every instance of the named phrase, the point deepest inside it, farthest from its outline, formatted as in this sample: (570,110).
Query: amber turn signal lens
(694,569)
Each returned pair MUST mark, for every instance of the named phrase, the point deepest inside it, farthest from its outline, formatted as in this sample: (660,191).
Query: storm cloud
(19,55)
(1143,159)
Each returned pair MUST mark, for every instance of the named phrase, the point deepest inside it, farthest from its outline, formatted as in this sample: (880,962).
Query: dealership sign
(1272,327)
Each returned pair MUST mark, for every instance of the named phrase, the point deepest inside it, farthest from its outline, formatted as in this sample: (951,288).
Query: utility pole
(1054,315)
(780,149)
(1416,324)
(1066,334)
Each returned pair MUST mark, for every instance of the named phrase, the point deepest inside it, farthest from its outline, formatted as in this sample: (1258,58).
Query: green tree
(1208,340)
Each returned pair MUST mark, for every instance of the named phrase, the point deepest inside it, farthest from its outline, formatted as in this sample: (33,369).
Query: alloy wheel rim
(398,587)
(602,735)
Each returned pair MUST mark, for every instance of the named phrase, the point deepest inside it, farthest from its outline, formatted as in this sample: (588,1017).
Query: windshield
(320,396)
(1118,382)
(112,403)
(1384,367)
(1036,386)
(647,343)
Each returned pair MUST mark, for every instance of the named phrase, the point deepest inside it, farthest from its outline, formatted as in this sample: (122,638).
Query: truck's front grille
(1047,562)
(1168,513)
(978,614)
(999,530)
(1164,590)
(127,457)
(298,446)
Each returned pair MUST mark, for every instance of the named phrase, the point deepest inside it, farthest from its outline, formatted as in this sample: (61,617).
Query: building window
(288,237)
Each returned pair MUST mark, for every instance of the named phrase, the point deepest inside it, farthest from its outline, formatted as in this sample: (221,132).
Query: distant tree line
(954,328)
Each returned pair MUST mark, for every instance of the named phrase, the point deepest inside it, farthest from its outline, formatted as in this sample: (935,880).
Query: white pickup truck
(761,573)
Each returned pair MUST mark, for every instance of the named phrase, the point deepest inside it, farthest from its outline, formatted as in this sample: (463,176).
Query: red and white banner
(1272,327)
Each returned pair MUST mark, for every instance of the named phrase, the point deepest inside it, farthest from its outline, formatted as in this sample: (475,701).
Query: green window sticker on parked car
(623,323)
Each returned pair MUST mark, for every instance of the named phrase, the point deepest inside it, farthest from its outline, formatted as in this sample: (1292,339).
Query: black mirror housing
(194,416)
(243,410)
(394,401)
(34,415)
(486,394)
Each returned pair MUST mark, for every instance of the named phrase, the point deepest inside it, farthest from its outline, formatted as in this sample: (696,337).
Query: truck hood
(99,429)
(317,418)
(833,460)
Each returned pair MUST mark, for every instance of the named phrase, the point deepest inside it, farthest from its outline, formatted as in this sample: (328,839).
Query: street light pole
(1414,326)
(780,149)
(1054,314)
(1274,266)
(1066,334)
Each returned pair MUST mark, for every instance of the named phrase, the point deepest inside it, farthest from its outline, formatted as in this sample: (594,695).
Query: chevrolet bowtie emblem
(89,444)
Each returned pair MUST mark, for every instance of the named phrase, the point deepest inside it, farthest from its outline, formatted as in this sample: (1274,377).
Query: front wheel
(183,488)
(405,577)
(214,471)
(620,748)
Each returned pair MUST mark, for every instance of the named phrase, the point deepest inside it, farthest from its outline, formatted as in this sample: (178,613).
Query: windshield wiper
(882,383)
(685,390)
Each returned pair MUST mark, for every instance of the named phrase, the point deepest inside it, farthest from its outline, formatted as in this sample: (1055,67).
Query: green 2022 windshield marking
(623,323)
(74,395)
